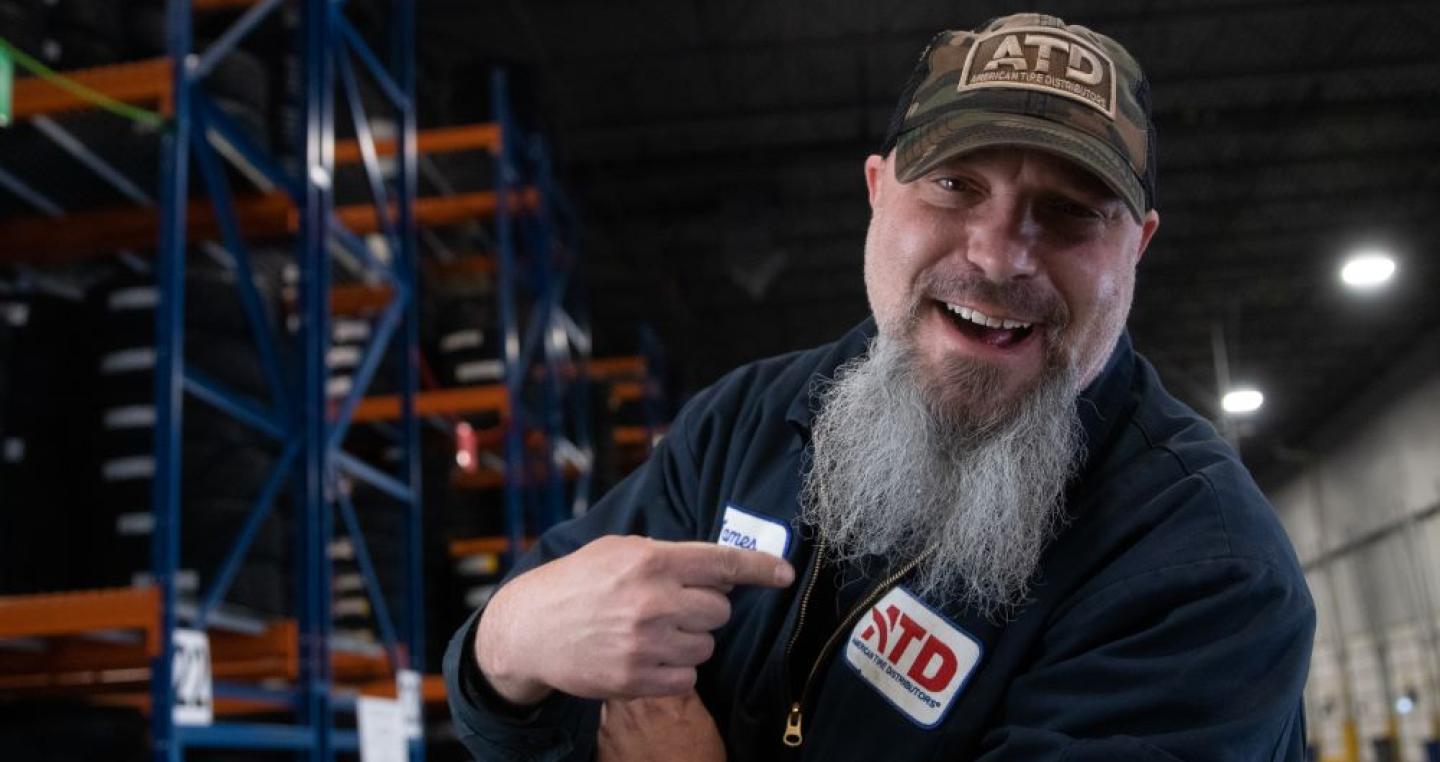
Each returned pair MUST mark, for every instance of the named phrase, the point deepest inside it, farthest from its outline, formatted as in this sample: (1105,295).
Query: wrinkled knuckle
(705,649)
(648,607)
(723,610)
(632,659)
(628,682)
(683,681)
(636,631)
(646,559)
(729,568)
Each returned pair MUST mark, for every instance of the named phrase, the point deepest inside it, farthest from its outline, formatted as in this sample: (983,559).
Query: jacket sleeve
(656,500)
(1203,660)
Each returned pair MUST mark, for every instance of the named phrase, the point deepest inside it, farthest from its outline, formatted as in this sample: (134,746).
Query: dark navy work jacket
(1170,619)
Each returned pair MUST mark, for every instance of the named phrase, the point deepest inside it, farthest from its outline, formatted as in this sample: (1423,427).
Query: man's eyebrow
(1077,179)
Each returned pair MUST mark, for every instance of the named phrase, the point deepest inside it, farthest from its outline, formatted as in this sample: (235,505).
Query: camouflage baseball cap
(1030,80)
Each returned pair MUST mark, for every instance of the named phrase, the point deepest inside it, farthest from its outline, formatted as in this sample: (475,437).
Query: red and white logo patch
(915,658)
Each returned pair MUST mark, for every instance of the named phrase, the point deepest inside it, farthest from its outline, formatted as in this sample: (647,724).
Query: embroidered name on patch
(741,529)
(915,658)
(1042,58)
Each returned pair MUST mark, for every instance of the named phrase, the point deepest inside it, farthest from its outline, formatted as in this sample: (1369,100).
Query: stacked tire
(225,463)
(352,610)
(47,385)
(65,34)
(70,731)
(467,346)
(382,522)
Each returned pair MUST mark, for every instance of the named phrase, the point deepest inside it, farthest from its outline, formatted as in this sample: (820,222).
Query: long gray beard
(897,471)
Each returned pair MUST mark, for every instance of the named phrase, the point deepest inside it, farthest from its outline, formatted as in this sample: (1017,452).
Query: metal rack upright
(297,415)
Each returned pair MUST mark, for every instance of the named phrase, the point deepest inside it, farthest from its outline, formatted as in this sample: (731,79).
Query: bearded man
(1011,542)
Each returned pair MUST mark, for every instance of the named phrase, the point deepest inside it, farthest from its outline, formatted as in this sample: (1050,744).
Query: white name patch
(916,658)
(742,529)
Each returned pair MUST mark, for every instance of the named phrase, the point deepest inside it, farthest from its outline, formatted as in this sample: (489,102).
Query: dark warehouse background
(713,153)
(716,149)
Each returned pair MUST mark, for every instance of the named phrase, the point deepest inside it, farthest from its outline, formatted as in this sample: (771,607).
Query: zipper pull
(792,726)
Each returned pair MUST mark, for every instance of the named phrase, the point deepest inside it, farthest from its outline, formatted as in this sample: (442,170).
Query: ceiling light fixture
(1367,269)
(1242,401)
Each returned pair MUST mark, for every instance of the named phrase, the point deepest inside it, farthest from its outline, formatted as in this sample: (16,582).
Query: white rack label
(407,689)
(191,679)
(382,730)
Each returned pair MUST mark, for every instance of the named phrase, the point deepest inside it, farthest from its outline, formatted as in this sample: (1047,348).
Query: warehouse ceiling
(716,148)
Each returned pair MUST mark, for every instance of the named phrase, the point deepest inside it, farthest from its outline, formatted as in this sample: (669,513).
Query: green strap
(95,97)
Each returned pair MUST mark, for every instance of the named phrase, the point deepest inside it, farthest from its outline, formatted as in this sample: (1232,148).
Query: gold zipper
(793,735)
(792,722)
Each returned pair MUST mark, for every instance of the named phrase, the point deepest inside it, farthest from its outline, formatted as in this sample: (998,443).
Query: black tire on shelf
(23,24)
(216,471)
(211,527)
(241,77)
(262,587)
(103,18)
(66,731)
(67,47)
(232,360)
(260,584)
(213,304)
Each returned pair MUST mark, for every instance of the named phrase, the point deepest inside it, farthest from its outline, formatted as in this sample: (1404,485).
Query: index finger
(706,565)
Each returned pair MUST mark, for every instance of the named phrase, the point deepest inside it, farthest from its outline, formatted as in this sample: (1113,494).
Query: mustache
(1018,297)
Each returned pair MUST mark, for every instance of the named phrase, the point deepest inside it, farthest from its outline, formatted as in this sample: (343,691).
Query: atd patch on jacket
(742,529)
(915,658)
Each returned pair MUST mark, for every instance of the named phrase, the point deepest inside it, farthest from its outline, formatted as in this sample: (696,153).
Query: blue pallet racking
(296,414)
(545,239)
(542,318)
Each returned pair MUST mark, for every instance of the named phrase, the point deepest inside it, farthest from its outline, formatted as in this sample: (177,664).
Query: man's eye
(1076,210)
(954,185)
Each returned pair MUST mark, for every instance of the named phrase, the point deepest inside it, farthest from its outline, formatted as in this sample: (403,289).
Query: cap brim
(928,146)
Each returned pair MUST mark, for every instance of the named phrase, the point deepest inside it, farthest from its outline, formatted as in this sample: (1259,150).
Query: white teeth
(980,318)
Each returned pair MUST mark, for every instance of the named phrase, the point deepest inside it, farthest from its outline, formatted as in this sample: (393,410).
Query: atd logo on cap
(1046,59)
(915,658)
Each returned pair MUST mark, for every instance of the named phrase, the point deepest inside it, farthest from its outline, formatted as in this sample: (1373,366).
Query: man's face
(1024,241)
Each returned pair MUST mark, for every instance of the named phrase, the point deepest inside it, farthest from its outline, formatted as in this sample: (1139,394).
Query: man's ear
(1148,226)
(874,165)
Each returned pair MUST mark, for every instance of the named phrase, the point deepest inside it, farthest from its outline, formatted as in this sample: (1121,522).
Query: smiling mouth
(1001,333)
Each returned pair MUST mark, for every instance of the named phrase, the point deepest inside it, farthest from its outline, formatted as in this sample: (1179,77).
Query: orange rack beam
(631,436)
(625,391)
(618,368)
(465,265)
(150,82)
(139,83)
(624,366)
(468,399)
(474,546)
(432,689)
(354,299)
(468,137)
(359,298)
(489,478)
(76,613)
(96,233)
(71,661)
(432,693)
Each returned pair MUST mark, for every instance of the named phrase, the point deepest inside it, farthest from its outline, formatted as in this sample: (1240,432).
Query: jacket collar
(856,341)
(1102,404)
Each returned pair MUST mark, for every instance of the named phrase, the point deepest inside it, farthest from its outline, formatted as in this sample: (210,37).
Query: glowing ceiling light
(1367,269)
(1242,401)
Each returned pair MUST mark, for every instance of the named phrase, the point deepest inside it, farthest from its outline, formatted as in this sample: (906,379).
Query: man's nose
(1000,242)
